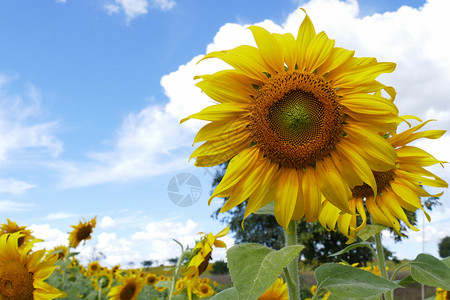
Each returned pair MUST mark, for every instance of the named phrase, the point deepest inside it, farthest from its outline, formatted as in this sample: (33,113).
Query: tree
(444,247)
(219,267)
(147,263)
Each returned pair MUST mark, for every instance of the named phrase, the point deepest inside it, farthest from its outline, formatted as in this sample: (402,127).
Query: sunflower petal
(270,50)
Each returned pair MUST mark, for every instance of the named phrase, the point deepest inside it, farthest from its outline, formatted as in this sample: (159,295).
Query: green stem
(292,279)
(176,271)
(381,262)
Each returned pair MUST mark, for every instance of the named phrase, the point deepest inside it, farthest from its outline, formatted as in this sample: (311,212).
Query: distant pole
(422,287)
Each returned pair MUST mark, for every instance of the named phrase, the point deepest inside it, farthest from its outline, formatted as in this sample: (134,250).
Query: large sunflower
(22,273)
(129,290)
(298,119)
(399,189)
(12,227)
(81,232)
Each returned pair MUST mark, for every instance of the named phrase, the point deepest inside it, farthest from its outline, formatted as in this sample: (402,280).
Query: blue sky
(91,94)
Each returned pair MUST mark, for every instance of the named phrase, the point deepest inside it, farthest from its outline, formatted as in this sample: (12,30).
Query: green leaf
(376,297)
(351,247)
(446,261)
(349,282)
(406,281)
(254,267)
(269,209)
(228,294)
(429,270)
(370,230)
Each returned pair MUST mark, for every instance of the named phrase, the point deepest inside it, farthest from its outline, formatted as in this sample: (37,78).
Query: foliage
(219,267)
(444,247)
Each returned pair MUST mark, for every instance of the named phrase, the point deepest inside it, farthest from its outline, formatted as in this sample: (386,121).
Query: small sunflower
(94,267)
(203,290)
(202,254)
(151,279)
(12,227)
(441,294)
(22,273)
(60,252)
(129,290)
(81,232)
(398,189)
(297,118)
(278,291)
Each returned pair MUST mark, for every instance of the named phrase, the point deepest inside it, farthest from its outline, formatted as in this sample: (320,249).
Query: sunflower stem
(292,278)
(176,271)
(381,262)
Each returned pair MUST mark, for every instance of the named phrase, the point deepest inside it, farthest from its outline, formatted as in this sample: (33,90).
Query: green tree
(219,267)
(444,247)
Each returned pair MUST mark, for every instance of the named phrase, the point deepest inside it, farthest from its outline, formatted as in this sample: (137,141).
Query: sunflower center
(16,283)
(296,119)
(128,292)
(84,232)
(382,180)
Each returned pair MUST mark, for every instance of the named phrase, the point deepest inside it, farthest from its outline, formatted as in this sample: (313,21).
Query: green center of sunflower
(296,119)
(383,180)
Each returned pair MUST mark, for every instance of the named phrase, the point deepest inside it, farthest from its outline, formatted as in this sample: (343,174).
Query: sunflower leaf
(406,281)
(351,247)
(351,283)
(429,270)
(446,261)
(228,294)
(254,267)
(370,230)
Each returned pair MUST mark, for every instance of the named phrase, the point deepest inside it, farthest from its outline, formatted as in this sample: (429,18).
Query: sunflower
(151,279)
(60,252)
(399,189)
(81,232)
(298,119)
(22,273)
(12,227)
(203,290)
(278,291)
(441,294)
(94,267)
(129,290)
(199,262)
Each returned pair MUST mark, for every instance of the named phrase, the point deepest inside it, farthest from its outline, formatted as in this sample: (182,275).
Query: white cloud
(107,222)
(19,130)
(134,8)
(52,237)
(61,1)
(59,216)
(8,205)
(14,186)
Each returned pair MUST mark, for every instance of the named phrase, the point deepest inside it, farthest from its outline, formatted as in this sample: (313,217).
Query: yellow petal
(368,104)
(305,34)
(360,74)
(219,130)
(337,57)
(220,112)
(286,196)
(246,59)
(289,46)
(270,50)
(332,185)
(311,195)
(318,51)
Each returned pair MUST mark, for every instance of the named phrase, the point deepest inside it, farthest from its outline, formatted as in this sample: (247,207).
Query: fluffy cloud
(107,222)
(52,237)
(58,216)
(134,8)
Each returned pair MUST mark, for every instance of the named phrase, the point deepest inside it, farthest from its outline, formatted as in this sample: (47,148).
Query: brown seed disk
(296,119)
